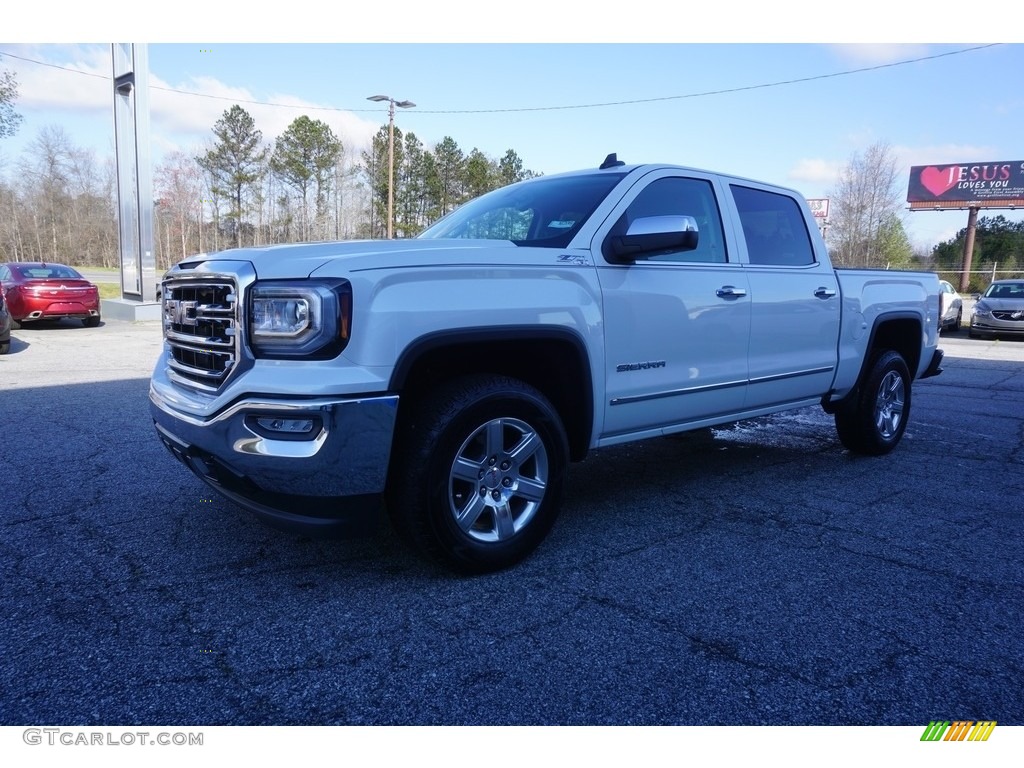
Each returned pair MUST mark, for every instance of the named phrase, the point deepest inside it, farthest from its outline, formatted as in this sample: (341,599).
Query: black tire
(91,322)
(873,423)
(5,347)
(478,471)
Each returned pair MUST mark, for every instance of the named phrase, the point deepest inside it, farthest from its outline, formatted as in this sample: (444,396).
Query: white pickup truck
(454,376)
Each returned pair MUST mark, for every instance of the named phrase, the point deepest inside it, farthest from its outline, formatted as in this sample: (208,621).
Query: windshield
(541,212)
(1005,291)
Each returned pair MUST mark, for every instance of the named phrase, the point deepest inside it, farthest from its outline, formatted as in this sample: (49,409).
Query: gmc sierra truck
(451,378)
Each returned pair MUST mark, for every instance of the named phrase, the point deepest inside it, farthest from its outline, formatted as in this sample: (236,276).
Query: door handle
(825,293)
(730,292)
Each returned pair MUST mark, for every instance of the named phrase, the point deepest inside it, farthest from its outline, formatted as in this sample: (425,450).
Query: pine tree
(304,158)
(235,164)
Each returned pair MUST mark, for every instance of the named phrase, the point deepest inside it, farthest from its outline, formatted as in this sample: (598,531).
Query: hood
(1001,304)
(299,260)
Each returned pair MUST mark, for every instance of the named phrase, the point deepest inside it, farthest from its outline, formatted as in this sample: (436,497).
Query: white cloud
(72,84)
(823,173)
(874,54)
(72,78)
(185,113)
(946,154)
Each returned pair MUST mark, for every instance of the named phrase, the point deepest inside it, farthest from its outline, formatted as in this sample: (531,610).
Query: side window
(774,228)
(675,196)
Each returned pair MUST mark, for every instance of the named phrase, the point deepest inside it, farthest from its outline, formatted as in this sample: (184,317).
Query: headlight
(982,310)
(300,319)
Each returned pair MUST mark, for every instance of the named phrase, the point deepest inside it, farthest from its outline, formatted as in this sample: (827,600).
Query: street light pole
(391,154)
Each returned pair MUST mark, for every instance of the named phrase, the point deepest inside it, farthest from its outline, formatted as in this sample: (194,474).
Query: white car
(951,307)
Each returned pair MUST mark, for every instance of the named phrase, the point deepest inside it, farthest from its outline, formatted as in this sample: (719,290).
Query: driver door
(677,323)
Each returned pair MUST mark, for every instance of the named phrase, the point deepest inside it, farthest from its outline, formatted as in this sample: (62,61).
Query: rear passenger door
(795,302)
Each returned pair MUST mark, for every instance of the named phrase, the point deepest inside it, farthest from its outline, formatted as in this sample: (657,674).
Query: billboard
(819,207)
(967,185)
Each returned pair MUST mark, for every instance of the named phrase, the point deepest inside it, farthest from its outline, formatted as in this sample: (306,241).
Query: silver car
(1000,310)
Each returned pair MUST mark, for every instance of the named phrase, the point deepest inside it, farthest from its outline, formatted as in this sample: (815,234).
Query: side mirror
(652,234)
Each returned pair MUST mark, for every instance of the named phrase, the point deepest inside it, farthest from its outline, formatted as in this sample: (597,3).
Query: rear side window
(774,228)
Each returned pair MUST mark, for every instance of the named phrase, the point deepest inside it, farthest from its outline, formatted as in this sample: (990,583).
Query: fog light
(287,426)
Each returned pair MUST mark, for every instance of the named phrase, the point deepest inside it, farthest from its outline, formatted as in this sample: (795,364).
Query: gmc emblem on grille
(181,312)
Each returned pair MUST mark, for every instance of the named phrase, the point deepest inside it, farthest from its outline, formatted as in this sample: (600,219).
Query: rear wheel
(874,422)
(5,347)
(478,473)
(91,322)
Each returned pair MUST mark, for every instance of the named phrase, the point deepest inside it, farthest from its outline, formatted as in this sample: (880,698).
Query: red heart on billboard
(937,180)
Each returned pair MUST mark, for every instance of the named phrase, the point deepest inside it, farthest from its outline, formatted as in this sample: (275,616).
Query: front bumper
(997,327)
(327,481)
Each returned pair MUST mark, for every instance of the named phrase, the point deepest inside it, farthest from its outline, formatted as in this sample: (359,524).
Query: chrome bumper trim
(348,456)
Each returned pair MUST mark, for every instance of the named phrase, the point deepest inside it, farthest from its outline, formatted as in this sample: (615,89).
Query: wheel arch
(902,332)
(554,360)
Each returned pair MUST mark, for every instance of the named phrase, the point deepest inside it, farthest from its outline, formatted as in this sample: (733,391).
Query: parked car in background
(5,325)
(41,291)
(1000,310)
(951,307)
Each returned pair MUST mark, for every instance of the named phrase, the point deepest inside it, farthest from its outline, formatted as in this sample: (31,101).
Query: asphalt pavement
(758,574)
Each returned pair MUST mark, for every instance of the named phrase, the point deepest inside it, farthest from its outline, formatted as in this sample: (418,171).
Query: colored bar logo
(960,730)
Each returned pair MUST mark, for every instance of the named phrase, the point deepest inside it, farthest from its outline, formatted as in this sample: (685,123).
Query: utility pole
(391,154)
(972,226)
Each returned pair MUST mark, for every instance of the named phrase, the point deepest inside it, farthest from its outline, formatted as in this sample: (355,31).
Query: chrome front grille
(201,323)
(1008,314)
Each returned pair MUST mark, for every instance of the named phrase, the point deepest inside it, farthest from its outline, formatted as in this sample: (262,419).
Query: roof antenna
(611,161)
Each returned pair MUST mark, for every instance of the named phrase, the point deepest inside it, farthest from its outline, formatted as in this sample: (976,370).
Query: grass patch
(109,290)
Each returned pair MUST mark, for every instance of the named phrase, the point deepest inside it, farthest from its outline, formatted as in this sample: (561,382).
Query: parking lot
(756,575)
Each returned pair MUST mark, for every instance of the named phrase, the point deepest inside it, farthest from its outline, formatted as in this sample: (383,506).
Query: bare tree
(866,207)
(179,191)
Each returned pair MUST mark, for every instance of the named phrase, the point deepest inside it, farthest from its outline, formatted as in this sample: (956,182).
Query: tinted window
(47,272)
(774,228)
(675,196)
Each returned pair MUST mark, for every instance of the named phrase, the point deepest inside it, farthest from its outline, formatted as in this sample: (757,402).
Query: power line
(720,91)
(595,105)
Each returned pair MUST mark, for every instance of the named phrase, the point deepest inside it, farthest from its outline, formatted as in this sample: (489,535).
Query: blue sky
(562,100)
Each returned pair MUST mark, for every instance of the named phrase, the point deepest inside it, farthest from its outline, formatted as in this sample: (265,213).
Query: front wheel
(874,422)
(478,473)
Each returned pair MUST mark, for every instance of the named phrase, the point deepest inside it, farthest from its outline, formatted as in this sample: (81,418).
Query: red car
(5,325)
(41,291)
